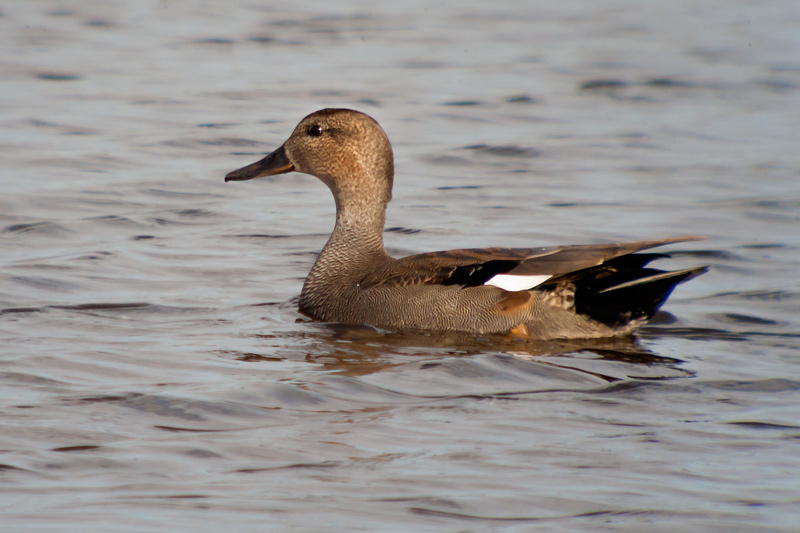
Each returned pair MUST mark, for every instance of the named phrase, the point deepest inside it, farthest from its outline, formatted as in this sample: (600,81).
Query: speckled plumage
(593,290)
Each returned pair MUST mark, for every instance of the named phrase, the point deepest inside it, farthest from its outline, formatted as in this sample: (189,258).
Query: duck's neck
(355,244)
(358,230)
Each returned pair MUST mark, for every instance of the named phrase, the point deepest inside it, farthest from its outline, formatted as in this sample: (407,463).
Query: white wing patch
(512,283)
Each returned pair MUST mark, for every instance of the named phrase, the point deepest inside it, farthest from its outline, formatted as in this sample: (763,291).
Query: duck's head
(346,149)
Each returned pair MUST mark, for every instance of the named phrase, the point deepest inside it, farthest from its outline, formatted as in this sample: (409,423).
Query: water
(156,374)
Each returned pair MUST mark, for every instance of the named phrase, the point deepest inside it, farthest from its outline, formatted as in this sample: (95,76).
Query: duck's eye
(315,130)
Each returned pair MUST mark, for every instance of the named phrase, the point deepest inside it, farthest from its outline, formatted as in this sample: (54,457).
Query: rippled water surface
(154,370)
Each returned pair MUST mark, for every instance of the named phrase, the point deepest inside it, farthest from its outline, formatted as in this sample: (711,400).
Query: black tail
(623,289)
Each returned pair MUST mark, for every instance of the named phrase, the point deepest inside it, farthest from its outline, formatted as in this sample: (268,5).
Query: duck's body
(543,293)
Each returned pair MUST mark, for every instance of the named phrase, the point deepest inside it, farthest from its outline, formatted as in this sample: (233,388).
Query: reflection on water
(364,350)
(156,372)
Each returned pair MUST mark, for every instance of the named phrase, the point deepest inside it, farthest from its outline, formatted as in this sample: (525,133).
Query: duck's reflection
(363,350)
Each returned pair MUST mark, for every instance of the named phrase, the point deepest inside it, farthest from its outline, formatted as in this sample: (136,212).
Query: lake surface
(155,373)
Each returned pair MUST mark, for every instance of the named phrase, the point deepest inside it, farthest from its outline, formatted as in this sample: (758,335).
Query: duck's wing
(512,269)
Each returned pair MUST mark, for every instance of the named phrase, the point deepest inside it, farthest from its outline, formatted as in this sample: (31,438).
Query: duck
(546,293)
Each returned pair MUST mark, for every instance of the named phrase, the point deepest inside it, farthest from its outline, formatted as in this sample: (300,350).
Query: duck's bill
(274,163)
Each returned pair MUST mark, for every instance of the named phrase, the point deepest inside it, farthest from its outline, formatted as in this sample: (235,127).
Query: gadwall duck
(584,291)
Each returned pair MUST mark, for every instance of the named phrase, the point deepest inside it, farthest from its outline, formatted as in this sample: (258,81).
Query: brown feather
(513,302)
(436,268)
